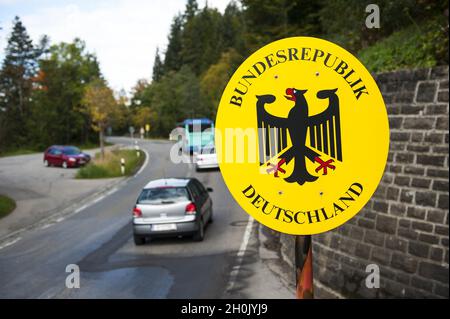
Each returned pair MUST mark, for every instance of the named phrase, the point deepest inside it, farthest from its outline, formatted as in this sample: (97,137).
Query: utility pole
(304,267)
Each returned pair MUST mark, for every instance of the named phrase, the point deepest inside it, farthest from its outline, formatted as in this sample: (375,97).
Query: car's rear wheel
(46,164)
(139,240)
(64,164)
(200,234)
(211,217)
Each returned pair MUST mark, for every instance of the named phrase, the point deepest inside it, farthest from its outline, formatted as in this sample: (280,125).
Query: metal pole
(304,267)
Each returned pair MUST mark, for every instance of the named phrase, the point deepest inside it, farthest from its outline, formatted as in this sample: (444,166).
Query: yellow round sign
(302,135)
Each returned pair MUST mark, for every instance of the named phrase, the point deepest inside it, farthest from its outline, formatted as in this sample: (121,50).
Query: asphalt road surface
(99,240)
(41,191)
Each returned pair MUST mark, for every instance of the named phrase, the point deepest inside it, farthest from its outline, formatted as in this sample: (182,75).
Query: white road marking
(145,163)
(47,226)
(79,209)
(240,254)
(9,243)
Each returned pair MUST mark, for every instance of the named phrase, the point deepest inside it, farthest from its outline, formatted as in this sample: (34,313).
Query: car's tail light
(190,209)
(137,212)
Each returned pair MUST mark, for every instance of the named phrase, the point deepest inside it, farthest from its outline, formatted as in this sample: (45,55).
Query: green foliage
(343,21)
(174,98)
(19,151)
(158,68)
(201,40)
(205,47)
(215,79)
(61,82)
(269,20)
(173,58)
(42,87)
(415,46)
(7,205)
(16,79)
(110,166)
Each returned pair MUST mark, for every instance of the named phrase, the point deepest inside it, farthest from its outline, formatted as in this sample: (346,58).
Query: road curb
(273,260)
(59,214)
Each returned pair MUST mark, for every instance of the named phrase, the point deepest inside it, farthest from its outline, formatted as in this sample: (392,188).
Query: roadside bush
(110,165)
(416,46)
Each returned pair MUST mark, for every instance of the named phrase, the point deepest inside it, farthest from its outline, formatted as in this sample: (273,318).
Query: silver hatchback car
(172,207)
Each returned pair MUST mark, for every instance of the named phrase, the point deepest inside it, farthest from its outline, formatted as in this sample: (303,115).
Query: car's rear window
(163,195)
(71,151)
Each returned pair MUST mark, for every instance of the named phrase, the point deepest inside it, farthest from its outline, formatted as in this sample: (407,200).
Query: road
(99,240)
(40,191)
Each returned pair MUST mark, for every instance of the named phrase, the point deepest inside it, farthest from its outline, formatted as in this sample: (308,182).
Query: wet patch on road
(239,223)
(143,282)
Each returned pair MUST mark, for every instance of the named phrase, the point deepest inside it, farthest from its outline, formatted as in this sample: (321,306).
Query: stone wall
(404,227)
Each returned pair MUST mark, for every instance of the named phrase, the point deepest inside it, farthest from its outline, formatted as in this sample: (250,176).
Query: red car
(65,156)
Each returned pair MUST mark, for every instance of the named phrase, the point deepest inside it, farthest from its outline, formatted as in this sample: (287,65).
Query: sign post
(304,267)
(131,130)
(136,147)
(147,129)
(302,140)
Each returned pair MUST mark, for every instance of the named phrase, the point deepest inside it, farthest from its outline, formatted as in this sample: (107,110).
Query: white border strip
(11,242)
(240,254)
(147,156)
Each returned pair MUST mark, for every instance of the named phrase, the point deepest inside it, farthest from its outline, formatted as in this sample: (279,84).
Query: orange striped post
(304,267)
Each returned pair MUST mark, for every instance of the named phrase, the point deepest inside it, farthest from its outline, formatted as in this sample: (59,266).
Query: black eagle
(324,135)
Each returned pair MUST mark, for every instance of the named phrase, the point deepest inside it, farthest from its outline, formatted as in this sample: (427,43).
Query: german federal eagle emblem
(324,136)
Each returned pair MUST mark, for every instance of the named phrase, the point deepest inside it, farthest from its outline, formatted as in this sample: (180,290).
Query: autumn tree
(143,116)
(215,79)
(101,107)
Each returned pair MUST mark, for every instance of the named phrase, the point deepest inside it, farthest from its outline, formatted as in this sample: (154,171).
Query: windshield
(208,150)
(198,127)
(163,195)
(71,151)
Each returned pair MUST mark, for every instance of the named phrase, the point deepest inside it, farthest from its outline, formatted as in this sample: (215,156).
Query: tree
(141,94)
(176,97)
(173,59)
(191,9)
(101,107)
(57,99)
(16,83)
(201,40)
(144,115)
(158,70)
(233,28)
(215,79)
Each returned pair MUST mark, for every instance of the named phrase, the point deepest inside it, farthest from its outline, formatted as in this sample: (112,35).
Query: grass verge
(7,205)
(110,165)
(27,151)
(17,152)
